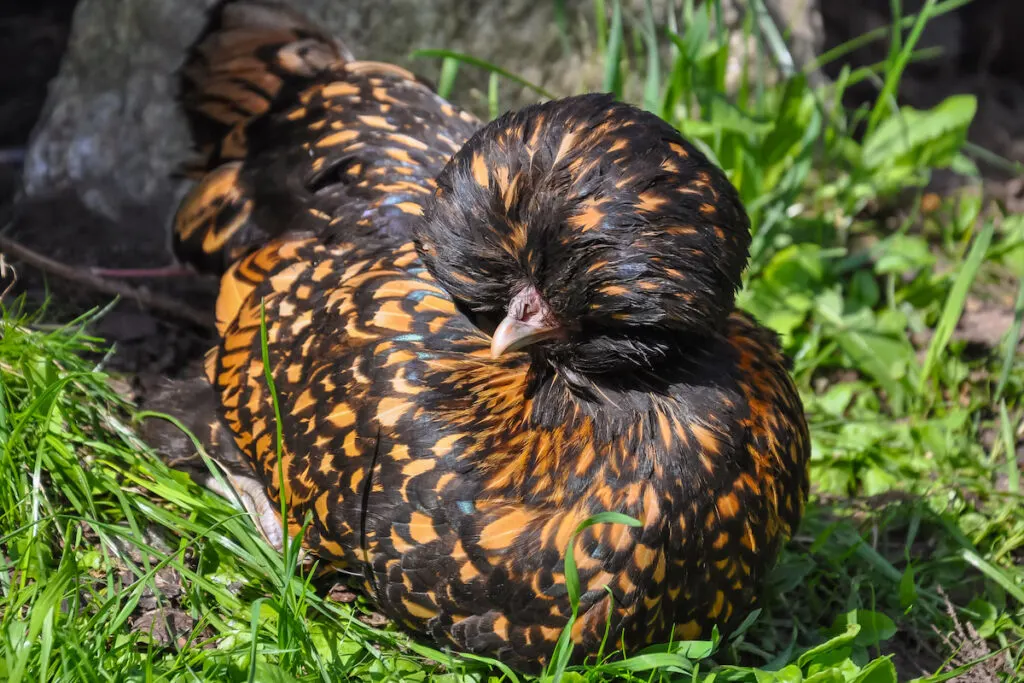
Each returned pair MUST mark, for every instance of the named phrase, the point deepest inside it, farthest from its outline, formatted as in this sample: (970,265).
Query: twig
(143,297)
(5,269)
(156,272)
(12,155)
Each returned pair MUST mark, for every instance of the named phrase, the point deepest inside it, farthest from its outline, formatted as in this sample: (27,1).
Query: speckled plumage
(295,135)
(452,480)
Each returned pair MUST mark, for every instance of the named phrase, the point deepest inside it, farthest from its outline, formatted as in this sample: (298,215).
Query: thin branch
(143,297)
(12,155)
(5,270)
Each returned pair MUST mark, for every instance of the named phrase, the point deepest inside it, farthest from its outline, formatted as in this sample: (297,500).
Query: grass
(908,564)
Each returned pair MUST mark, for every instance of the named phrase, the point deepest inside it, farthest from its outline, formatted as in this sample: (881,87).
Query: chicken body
(382,236)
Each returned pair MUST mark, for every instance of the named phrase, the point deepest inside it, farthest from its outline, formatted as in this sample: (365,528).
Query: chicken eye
(488,321)
(485,321)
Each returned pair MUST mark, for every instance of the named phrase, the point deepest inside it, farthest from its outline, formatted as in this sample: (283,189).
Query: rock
(164,626)
(340,592)
(984,322)
(109,131)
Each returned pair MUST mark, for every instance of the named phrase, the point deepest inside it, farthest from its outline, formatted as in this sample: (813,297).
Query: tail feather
(213,226)
(250,53)
(296,136)
(239,65)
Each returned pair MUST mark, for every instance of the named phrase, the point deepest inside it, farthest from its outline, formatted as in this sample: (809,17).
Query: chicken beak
(529,321)
(513,334)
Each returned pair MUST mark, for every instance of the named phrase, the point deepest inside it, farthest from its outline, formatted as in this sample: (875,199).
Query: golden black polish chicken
(480,336)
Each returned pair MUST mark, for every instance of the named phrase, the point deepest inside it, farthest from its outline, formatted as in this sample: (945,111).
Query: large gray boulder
(109,132)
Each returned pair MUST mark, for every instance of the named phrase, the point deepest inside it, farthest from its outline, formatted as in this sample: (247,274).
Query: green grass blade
(493,99)
(482,64)
(1011,341)
(449,72)
(772,38)
(898,65)
(601,26)
(613,53)
(955,303)
(1006,432)
(563,647)
(994,573)
(268,377)
(652,82)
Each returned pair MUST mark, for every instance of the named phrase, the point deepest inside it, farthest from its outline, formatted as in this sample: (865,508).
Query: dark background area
(32,39)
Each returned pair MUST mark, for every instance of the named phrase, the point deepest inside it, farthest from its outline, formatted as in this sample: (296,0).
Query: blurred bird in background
(479,337)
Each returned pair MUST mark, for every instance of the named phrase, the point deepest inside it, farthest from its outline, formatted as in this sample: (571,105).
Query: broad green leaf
(646,662)
(881,670)
(903,253)
(844,639)
(789,674)
(875,627)
(921,138)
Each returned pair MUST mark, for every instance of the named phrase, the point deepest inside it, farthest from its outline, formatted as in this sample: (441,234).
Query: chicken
(478,338)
